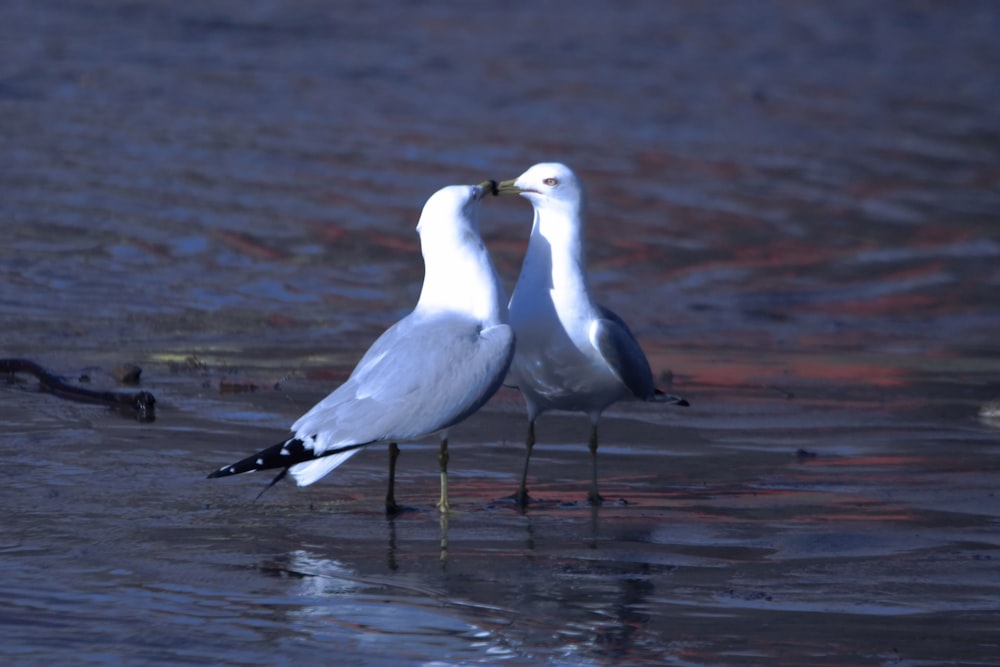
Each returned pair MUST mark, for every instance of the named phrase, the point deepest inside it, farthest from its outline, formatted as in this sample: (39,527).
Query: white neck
(459,277)
(556,257)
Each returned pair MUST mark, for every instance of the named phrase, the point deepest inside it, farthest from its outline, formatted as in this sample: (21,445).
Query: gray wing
(422,375)
(621,351)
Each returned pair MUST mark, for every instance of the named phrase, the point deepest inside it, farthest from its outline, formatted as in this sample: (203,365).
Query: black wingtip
(661,396)
(282,455)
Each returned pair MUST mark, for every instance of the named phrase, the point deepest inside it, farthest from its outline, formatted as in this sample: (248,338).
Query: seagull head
(458,274)
(546,185)
(451,203)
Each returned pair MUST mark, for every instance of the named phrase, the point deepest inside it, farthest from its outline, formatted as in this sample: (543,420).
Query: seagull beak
(489,187)
(508,188)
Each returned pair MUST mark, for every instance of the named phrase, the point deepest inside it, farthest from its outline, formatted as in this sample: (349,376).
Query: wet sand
(793,206)
(720,543)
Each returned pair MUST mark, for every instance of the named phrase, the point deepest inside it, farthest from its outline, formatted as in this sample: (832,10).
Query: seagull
(427,372)
(572,353)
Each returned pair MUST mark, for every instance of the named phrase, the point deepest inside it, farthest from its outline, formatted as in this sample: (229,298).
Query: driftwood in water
(140,404)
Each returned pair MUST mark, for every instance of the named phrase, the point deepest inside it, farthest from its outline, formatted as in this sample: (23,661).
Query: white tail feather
(310,471)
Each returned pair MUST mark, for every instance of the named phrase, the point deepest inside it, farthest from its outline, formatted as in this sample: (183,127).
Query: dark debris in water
(140,405)
(230,386)
(127,374)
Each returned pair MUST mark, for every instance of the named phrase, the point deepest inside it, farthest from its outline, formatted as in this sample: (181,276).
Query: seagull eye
(551,181)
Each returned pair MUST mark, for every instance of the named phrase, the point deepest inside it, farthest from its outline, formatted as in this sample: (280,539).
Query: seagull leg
(594,497)
(529,443)
(391,507)
(444,538)
(443,460)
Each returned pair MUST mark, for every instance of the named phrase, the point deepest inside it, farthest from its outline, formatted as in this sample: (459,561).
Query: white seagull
(572,353)
(427,372)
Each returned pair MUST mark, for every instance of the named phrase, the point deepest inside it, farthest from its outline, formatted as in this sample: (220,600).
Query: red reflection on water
(841,371)
(394,242)
(783,253)
(629,252)
(279,321)
(248,245)
(768,370)
(895,461)
(327,373)
(866,517)
(658,161)
(891,304)
(327,232)
(157,250)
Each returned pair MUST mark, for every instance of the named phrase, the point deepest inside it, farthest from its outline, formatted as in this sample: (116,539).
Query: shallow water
(794,207)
